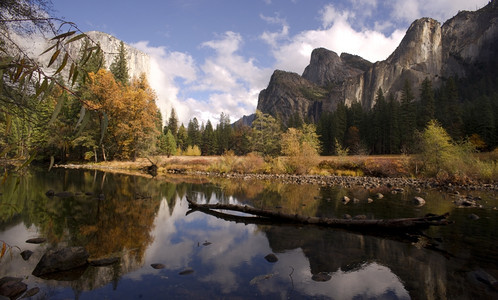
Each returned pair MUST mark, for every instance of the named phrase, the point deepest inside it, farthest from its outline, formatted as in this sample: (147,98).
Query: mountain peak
(428,50)
(327,67)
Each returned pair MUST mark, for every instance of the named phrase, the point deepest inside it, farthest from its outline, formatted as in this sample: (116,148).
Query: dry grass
(369,165)
(360,165)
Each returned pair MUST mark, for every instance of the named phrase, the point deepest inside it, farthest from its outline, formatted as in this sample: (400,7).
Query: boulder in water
(61,260)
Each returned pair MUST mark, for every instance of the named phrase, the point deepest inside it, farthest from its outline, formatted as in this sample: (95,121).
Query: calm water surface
(144,221)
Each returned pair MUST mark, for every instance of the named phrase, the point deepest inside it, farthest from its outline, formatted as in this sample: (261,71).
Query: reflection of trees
(289,198)
(422,271)
(117,216)
(123,219)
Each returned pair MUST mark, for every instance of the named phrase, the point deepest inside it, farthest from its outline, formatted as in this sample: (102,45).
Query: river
(144,221)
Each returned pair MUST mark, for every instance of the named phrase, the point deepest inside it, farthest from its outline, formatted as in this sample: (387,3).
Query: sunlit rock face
(138,61)
(418,56)
(428,50)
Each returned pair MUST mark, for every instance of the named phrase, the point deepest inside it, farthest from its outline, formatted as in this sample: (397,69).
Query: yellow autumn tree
(301,146)
(130,113)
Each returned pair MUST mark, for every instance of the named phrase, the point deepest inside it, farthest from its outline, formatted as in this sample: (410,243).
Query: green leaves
(57,110)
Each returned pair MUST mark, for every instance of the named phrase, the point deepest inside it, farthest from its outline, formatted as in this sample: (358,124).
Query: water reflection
(144,221)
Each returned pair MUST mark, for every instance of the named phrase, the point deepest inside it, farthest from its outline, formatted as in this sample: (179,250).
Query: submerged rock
(186,272)
(61,260)
(345,199)
(321,277)
(486,278)
(12,287)
(158,266)
(379,196)
(418,201)
(38,240)
(26,254)
(271,258)
(462,202)
(473,217)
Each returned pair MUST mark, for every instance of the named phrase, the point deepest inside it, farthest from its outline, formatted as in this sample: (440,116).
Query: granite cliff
(463,43)
(138,61)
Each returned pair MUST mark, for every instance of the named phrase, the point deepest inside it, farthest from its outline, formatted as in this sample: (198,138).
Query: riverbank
(369,172)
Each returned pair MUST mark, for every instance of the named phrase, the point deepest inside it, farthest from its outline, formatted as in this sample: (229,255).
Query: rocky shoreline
(396,184)
(392,183)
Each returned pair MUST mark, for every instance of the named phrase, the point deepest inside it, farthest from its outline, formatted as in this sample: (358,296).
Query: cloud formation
(225,80)
(292,53)
(409,10)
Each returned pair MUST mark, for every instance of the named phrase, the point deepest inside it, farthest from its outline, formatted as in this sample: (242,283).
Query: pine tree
(394,131)
(173,123)
(119,67)
(223,133)
(426,111)
(182,138)
(168,144)
(339,123)
(454,120)
(407,122)
(266,134)
(324,131)
(193,133)
(208,140)
(241,144)
(380,126)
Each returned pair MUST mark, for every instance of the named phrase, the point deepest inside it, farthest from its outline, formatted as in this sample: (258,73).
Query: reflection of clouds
(232,247)
(370,281)
(165,249)
(178,243)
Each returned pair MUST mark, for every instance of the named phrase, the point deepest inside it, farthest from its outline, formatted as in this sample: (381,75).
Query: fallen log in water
(267,215)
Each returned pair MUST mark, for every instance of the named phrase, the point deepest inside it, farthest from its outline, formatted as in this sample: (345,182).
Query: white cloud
(330,15)
(166,68)
(224,82)
(272,38)
(337,35)
(441,10)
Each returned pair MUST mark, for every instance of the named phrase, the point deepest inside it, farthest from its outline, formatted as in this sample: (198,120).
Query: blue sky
(213,56)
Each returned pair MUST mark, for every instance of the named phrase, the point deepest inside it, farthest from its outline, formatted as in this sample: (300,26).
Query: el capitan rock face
(427,50)
(138,61)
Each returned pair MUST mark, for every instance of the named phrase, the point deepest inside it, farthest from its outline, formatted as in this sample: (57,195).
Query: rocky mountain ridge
(428,50)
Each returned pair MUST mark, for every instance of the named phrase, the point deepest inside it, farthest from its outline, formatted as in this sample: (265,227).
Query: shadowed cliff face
(288,93)
(427,50)
(327,67)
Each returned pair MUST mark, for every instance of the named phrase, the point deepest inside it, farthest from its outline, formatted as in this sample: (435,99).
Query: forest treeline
(110,116)
(95,114)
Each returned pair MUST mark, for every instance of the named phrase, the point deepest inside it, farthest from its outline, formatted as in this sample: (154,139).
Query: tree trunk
(394,224)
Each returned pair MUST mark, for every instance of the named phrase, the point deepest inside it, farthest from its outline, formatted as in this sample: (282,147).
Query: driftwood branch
(263,216)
